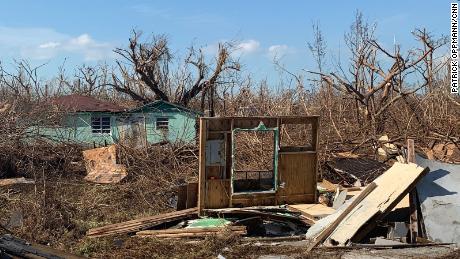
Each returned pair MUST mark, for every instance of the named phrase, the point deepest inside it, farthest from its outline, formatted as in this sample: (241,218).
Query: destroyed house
(257,161)
(89,121)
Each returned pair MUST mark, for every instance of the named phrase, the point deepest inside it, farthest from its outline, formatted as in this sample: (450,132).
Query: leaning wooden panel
(392,186)
(297,174)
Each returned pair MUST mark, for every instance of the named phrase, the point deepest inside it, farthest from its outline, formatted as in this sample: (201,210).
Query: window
(100,125)
(162,123)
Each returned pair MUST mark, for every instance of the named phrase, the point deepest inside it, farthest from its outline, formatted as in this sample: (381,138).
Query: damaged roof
(81,103)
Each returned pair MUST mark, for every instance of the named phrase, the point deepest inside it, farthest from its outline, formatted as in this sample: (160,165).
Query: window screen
(162,123)
(100,125)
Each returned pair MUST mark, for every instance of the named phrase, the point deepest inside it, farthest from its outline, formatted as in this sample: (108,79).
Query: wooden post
(413,226)
(202,165)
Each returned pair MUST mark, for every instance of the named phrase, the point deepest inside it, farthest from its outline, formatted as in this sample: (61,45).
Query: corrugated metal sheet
(439,193)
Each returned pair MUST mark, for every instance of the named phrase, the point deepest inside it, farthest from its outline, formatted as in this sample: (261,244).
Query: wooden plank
(392,186)
(255,199)
(181,197)
(297,175)
(217,193)
(202,166)
(11,181)
(140,224)
(413,219)
(191,232)
(328,230)
(313,211)
(192,195)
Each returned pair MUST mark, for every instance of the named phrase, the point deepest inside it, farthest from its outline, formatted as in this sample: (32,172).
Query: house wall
(78,130)
(181,127)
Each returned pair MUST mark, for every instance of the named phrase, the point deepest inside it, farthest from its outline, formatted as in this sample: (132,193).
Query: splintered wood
(192,232)
(392,186)
(353,222)
(101,165)
(140,224)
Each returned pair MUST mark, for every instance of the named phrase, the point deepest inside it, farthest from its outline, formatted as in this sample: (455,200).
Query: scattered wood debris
(370,206)
(448,152)
(101,165)
(133,226)
(192,232)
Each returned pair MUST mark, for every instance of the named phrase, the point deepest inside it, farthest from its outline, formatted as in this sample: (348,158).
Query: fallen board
(191,232)
(11,181)
(312,211)
(141,224)
(340,216)
(392,186)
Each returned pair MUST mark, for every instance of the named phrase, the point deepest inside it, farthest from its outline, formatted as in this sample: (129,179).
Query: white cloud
(51,44)
(277,51)
(248,46)
(46,43)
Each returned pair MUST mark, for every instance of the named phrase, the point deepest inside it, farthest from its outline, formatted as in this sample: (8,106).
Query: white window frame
(99,125)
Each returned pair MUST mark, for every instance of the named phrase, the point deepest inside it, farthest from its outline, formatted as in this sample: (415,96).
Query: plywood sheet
(102,166)
(392,186)
(297,174)
(192,195)
(316,211)
(217,194)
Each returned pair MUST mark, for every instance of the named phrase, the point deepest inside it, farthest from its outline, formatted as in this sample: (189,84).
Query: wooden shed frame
(295,167)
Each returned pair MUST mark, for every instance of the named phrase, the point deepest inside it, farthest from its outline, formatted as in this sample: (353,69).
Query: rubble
(390,188)
(353,171)
(135,225)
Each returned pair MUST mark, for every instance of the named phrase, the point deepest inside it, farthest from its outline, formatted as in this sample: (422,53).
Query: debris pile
(353,171)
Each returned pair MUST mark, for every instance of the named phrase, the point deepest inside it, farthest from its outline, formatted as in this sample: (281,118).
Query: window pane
(162,123)
(100,125)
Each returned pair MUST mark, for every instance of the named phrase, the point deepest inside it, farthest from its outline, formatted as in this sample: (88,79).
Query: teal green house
(89,121)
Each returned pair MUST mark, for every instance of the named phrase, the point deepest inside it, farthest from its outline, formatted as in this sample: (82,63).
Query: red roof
(81,103)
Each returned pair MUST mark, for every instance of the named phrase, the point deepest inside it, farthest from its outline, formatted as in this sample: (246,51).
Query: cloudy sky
(87,31)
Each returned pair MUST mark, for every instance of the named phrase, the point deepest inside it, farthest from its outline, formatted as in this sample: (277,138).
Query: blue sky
(87,31)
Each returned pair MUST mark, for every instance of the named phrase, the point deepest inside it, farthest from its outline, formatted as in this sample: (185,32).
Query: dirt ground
(236,247)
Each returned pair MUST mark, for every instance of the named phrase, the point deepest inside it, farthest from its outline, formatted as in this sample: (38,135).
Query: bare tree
(376,88)
(145,72)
